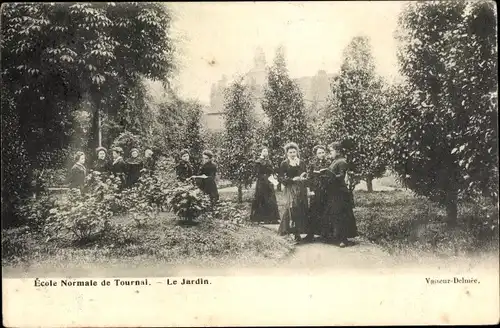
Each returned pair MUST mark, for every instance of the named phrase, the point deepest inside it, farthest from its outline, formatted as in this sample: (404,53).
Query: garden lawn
(211,243)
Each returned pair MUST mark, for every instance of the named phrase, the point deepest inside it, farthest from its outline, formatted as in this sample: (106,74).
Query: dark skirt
(209,187)
(264,205)
(317,206)
(338,219)
(294,219)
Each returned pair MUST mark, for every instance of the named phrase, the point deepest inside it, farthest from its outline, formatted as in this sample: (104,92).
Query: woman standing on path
(318,182)
(206,179)
(184,169)
(78,172)
(338,223)
(292,174)
(264,205)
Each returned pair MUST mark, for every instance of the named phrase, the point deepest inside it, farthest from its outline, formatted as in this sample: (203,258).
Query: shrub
(34,212)
(188,202)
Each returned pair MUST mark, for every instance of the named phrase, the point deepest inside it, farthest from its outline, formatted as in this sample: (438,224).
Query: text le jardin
(114,282)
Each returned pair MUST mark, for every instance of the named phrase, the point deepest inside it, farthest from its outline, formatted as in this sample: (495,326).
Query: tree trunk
(369,183)
(240,193)
(451,208)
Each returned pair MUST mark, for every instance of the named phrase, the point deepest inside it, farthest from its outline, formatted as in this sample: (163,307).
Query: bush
(34,212)
(188,202)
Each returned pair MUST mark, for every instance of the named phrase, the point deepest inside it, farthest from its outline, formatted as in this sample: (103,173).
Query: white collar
(116,160)
(294,162)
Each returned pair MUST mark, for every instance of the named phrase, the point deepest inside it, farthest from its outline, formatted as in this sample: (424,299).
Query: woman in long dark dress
(134,166)
(318,181)
(338,222)
(149,162)
(293,175)
(78,172)
(184,169)
(102,163)
(206,178)
(264,205)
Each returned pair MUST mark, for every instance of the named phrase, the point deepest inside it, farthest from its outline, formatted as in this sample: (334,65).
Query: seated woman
(338,222)
(206,178)
(184,169)
(78,172)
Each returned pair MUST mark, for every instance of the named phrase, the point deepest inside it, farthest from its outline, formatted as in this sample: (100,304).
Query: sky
(216,38)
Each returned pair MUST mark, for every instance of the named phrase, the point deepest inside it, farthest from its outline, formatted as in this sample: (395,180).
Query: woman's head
(184,154)
(134,153)
(207,156)
(79,157)
(336,149)
(292,150)
(264,152)
(319,151)
(148,153)
(101,153)
(117,152)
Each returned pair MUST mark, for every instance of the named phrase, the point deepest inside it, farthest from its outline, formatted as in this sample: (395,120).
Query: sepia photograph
(308,156)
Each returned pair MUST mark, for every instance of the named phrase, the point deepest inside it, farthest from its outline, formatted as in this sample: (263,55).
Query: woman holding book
(318,182)
(264,205)
(338,222)
(293,175)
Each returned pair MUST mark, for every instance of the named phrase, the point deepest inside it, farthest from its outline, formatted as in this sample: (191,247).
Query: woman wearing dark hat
(184,169)
(338,222)
(206,178)
(101,164)
(78,172)
(118,167)
(293,174)
(264,205)
(318,182)
(134,167)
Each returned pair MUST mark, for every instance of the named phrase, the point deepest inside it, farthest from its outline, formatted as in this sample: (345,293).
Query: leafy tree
(357,112)
(54,56)
(239,133)
(192,131)
(445,129)
(283,103)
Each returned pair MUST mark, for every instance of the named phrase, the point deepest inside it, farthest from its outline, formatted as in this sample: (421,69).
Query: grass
(396,220)
(162,239)
(403,223)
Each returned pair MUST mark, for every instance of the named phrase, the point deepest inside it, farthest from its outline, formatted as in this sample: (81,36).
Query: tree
(445,129)
(239,133)
(193,140)
(357,112)
(54,56)
(283,103)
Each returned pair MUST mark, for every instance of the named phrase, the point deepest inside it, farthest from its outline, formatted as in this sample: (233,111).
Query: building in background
(315,90)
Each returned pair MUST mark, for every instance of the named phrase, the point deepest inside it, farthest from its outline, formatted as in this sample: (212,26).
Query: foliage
(239,134)
(283,103)
(402,222)
(127,140)
(445,127)
(357,114)
(55,56)
(188,202)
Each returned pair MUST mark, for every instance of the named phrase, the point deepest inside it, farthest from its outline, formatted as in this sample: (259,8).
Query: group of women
(128,170)
(329,212)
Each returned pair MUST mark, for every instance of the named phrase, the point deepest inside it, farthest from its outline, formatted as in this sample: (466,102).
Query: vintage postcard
(249,163)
